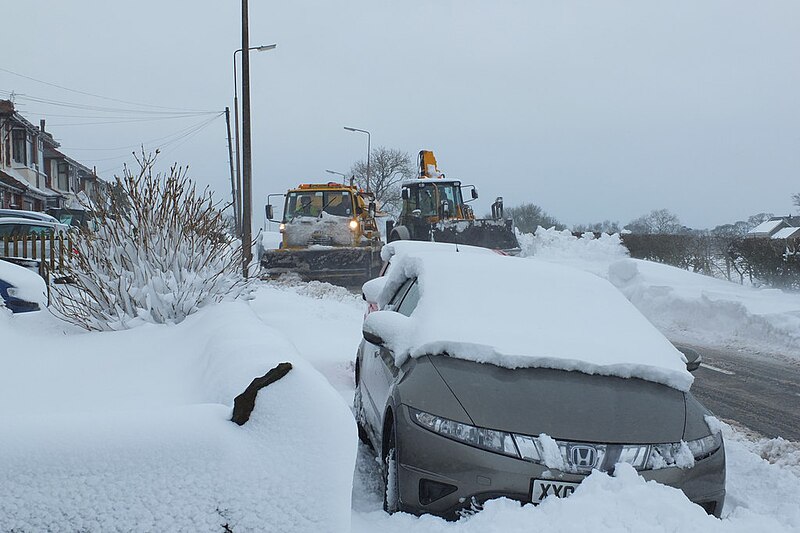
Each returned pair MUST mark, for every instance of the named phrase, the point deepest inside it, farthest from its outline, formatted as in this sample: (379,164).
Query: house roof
(767,227)
(786,233)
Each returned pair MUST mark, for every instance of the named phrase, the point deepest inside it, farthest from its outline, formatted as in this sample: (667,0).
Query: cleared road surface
(759,391)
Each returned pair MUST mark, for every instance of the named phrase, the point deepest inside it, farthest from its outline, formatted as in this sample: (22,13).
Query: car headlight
(684,454)
(487,439)
(576,457)
(13,292)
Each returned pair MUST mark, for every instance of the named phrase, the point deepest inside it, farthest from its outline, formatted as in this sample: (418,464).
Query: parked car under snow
(485,376)
(21,290)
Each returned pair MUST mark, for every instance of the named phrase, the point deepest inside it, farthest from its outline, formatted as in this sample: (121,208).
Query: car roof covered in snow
(396,248)
(515,312)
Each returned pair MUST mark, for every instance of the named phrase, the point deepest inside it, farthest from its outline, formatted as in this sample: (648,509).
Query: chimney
(41,125)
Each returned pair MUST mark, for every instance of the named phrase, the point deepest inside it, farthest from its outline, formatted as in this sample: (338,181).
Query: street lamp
(237,207)
(344,176)
(368,148)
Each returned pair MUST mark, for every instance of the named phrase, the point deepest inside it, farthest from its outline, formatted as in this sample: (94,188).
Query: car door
(373,372)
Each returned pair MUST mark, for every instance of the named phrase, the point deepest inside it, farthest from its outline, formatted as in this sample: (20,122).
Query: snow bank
(528,314)
(130,430)
(30,286)
(683,305)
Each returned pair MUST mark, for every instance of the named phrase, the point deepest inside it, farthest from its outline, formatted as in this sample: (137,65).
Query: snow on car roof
(515,313)
(406,247)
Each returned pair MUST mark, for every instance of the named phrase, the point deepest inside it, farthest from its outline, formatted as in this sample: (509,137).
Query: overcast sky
(593,110)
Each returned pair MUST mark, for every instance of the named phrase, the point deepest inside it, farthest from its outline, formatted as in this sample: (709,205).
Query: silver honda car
(485,376)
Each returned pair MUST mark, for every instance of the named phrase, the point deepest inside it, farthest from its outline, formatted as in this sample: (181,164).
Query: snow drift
(131,430)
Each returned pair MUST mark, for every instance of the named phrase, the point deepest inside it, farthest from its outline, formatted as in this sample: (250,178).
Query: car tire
(391,494)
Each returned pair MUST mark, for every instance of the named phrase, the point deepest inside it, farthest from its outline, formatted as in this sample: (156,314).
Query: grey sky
(593,110)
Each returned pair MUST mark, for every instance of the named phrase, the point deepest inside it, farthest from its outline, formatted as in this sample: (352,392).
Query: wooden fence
(51,251)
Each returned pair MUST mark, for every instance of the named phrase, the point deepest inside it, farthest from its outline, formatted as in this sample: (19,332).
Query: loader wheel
(399,233)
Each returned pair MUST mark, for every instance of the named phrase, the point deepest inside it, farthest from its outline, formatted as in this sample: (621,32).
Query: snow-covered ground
(129,430)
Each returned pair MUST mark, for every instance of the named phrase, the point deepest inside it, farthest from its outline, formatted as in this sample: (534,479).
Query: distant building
(776,226)
(34,174)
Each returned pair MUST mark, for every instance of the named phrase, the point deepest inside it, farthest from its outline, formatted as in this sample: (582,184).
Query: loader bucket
(348,267)
(496,234)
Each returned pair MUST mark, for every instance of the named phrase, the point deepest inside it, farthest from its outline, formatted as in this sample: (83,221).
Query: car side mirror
(386,329)
(372,338)
(405,194)
(693,358)
(269,212)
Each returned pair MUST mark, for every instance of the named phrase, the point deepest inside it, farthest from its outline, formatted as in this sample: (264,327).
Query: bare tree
(388,167)
(796,200)
(658,221)
(528,217)
(605,226)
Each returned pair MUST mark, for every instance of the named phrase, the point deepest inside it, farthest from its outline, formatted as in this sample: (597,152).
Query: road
(758,391)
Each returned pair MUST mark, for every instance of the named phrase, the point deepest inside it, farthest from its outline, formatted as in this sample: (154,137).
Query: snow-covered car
(485,376)
(21,290)
(30,215)
(391,252)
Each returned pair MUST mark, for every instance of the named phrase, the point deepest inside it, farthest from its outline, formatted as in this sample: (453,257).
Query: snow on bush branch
(161,251)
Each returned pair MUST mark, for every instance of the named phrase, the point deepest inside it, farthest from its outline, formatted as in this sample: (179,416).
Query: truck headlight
(354,225)
(282,227)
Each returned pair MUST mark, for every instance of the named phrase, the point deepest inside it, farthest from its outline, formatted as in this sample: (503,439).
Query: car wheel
(391,496)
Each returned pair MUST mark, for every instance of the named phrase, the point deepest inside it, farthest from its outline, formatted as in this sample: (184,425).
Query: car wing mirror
(269,212)
(372,338)
(386,328)
(693,358)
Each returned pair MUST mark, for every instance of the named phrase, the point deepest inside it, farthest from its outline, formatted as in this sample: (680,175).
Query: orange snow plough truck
(329,233)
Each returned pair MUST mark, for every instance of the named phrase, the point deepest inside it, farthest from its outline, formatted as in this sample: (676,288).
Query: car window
(410,300)
(398,296)
(6,229)
(29,229)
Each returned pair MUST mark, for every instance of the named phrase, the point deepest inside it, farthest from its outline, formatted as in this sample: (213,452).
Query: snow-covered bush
(160,252)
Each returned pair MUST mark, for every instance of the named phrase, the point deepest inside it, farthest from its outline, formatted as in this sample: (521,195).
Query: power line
(91,94)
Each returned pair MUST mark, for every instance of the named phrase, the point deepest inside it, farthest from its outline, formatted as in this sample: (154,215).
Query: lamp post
(344,176)
(237,207)
(368,148)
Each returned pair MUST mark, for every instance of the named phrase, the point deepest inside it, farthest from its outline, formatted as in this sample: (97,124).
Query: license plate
(547,488)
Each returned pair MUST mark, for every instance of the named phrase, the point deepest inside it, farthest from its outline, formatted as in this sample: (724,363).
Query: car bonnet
(566,405)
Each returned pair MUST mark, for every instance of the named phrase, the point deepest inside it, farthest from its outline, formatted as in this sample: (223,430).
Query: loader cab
(425,197)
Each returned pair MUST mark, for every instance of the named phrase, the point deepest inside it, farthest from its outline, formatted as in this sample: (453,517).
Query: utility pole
(233,176)
(247,162)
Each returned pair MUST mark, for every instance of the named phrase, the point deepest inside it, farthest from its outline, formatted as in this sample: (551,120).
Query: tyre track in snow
(758,391)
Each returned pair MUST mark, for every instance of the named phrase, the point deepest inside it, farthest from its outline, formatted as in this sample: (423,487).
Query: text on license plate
(543,488)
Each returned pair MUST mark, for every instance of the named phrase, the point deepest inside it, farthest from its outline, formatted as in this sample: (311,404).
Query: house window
(20,148)
(63,176)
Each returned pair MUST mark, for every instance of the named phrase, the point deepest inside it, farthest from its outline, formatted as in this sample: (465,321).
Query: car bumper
(426,460)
